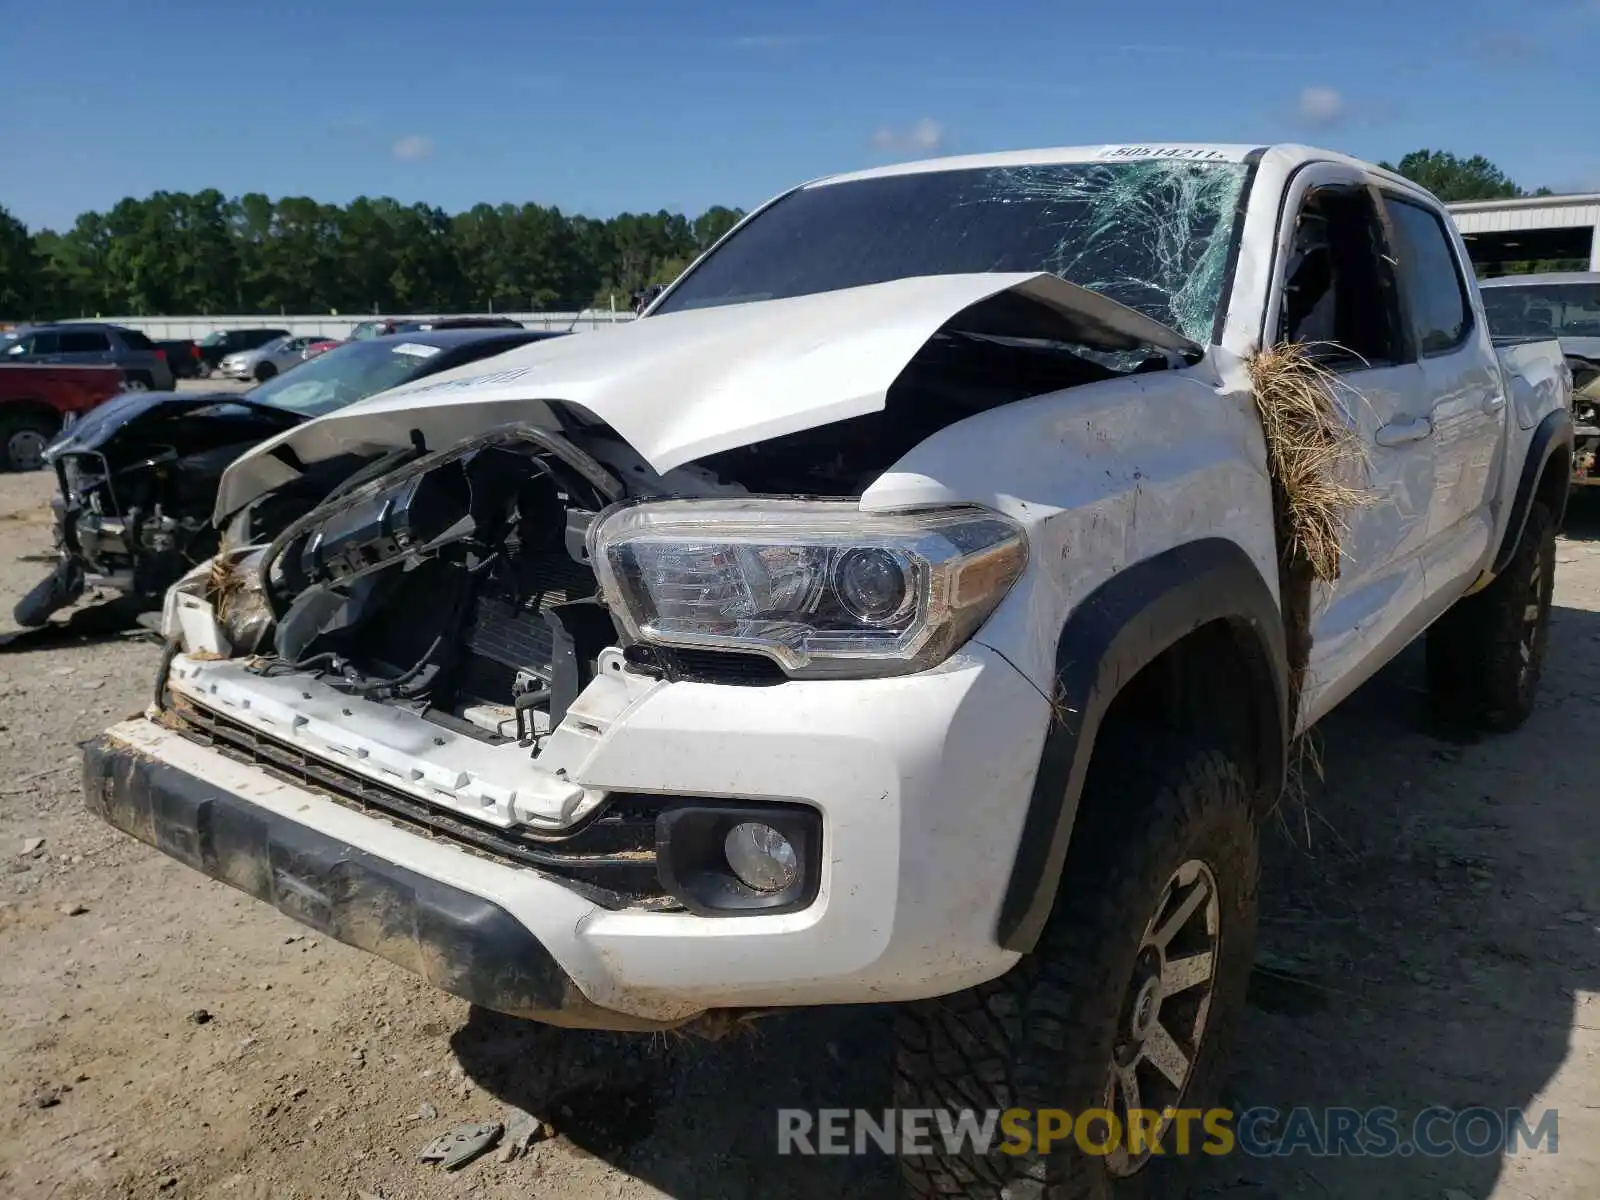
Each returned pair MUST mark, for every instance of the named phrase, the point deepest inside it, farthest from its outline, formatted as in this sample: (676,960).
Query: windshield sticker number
(1195,153)
(416,350)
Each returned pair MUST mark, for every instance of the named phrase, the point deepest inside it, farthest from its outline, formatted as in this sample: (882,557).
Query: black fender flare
(1552,434)
(1116,631)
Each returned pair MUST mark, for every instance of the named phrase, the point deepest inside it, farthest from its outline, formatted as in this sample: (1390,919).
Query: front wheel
(54,592)
(265,372)
(1123,1011)
(23,438)
(1486,655)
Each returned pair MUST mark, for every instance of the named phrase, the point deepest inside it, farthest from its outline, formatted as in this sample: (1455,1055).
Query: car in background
(92,344)
(138,475)
(183,356)
(36,400)
(266,360)
(645,297)
(214,347)
(1564,305)
(320,347)
(388,326)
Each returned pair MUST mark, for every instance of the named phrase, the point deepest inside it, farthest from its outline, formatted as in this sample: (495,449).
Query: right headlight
(821,587)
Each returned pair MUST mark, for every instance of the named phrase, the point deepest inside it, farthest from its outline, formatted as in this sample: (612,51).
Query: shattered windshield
(343,375)
(1153,235)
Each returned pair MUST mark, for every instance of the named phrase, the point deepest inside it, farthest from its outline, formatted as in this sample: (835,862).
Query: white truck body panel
(923,781)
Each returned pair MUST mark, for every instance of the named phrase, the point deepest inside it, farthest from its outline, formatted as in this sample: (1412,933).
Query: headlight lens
(821,587)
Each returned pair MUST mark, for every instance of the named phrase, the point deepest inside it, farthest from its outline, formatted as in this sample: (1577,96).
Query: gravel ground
(1429,937)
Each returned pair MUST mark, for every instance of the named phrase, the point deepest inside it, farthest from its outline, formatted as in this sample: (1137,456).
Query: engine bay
(138,478)
(455,586)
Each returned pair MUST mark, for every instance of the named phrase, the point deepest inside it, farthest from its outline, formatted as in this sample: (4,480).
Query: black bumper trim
(461,943)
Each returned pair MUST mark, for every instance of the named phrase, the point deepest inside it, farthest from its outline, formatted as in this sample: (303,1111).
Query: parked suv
(144,366)
(918,604)
(214,347)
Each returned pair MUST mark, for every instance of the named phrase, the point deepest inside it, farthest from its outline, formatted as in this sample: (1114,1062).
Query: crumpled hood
(684,385)
(99,425)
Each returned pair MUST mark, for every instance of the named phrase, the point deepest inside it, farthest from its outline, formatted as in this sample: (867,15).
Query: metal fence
(164,328)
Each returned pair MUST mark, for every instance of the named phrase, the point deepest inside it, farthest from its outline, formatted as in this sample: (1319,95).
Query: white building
(1531,227)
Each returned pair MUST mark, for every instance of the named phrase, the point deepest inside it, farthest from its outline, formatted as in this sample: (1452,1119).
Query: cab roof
(1290,153)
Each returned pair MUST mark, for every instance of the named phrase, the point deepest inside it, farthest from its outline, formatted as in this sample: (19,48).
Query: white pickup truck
(901,610)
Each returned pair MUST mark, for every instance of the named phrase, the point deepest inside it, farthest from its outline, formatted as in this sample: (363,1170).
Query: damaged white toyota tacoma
(917,604)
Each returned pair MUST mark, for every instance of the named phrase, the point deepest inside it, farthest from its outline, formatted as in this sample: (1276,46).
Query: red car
(317,348)
(36,399)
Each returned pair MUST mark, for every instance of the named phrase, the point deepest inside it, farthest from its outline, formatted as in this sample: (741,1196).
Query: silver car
(266,360)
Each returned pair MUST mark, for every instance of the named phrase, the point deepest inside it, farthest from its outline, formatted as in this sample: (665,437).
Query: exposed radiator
(516,636)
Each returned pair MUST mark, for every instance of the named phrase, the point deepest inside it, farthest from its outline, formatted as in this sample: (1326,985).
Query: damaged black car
(138,475)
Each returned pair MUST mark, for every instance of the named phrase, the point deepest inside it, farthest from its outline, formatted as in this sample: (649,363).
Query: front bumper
(464,944)
(922,784)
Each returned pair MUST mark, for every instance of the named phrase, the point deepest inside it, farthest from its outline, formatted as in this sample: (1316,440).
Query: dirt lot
(164,1036)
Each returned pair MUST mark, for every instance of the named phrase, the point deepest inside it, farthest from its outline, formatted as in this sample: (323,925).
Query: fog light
(761,856)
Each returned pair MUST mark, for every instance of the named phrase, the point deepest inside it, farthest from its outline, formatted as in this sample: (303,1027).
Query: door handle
(1398,433)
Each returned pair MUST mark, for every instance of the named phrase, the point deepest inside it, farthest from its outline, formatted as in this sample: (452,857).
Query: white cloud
(924,137)
(1322,106)
(413,147)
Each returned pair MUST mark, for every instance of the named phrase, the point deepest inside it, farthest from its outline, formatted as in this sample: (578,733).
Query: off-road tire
(265,372)
(22,437)
(1486,654)
(1042,1035)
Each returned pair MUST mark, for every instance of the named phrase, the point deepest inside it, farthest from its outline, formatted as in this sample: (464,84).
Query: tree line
(200,253)
(182,253)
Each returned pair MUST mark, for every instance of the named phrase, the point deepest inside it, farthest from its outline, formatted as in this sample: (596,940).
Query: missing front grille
(610,859)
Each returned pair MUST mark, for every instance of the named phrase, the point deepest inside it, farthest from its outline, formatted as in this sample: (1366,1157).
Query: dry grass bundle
(223,583)
(1312,452)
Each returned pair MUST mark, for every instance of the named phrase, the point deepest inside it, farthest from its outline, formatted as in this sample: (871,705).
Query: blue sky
(631,105)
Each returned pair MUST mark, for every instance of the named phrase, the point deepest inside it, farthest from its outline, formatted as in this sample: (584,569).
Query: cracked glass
(1152,234)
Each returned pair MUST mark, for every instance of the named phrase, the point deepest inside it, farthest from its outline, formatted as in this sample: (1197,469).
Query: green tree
(713,223)
(78,262)
(1451,178)
(176,252)
(19,269)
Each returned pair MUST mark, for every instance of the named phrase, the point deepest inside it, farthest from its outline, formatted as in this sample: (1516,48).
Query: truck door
(1462,381)
(1334,293)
